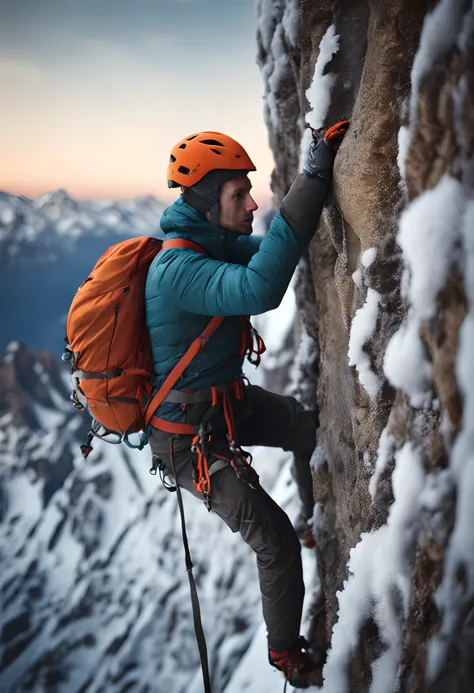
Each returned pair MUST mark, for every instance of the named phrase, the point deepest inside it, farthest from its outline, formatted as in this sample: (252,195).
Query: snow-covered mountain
(39,229)
(48,246)
(94,589)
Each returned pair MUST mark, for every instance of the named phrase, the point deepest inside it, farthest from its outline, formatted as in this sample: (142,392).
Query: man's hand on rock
(323,148)
(304,202)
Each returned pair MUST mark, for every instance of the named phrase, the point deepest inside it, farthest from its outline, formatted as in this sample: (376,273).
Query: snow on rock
(357,278)
(368,257)
(362,329)
(429,238)
(404,139)
(429,162)
(319,92)
(385,453)
(305,143)
(280,66)
(406,365)
(302,381)
(291,21)
(457,588)
(441,29)
(379,582)
(429,235)
(277,27)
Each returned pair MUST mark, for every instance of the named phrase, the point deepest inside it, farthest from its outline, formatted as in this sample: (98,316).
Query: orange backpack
(108,343)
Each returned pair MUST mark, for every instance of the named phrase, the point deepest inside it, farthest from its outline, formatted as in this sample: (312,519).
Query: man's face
(237,205)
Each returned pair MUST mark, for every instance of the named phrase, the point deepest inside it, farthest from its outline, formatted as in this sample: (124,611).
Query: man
(202,424)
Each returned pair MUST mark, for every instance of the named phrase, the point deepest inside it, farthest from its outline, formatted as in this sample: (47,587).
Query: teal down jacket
(240,275)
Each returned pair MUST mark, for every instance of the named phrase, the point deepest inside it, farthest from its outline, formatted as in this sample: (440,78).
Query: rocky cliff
(386,293)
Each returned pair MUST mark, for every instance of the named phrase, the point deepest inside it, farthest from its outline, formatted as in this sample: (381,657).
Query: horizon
(263,208)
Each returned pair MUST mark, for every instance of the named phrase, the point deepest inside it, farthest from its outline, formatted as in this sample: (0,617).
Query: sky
(96,92)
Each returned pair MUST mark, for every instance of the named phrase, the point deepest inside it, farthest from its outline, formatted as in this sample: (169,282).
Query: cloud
(52,32)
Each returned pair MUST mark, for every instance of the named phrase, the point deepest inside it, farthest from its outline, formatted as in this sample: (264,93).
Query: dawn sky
(96,92)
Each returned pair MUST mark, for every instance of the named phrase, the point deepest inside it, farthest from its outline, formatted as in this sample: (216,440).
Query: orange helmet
(194,156)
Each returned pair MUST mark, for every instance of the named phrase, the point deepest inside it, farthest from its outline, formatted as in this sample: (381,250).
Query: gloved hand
(322,150)
(304,202)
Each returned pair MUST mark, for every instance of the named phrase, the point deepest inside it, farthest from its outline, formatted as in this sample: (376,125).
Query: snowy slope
(95,593)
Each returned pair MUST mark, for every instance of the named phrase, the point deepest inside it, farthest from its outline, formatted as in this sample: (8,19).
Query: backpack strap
(183,243)
(194,349)
(197,346)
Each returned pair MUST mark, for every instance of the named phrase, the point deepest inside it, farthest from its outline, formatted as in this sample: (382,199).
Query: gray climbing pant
(269,420)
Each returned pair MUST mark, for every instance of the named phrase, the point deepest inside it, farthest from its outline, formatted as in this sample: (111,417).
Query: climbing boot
(304,530)
(298,666)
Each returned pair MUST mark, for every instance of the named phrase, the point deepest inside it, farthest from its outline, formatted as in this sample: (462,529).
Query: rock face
(385,292)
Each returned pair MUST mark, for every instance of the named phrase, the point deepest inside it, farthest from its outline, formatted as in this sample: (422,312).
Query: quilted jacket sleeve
(198,284)
(245,248)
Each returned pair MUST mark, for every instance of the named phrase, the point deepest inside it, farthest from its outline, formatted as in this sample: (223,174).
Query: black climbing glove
(323,149)
(304,202)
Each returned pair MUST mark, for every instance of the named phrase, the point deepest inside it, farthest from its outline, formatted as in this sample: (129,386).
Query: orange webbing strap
(183,243)
(202,481)
(180,367)
(252,345)
(172,426)
(229,416)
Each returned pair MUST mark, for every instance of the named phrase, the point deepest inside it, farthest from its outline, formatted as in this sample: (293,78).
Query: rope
(198,629)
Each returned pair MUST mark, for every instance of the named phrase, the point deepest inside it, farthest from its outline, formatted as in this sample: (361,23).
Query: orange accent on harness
(202,482)
(181,366)
(252,344)
(172,426)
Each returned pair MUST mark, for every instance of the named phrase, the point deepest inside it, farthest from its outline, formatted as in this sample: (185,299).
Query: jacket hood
(180,220)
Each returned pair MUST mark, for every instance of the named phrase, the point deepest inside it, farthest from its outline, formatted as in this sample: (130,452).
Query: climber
(201,426)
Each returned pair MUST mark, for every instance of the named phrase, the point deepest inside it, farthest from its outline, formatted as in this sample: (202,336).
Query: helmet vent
(172,158)
(214,142)
(183,169)
(216,151)
(182,146)
(191,138)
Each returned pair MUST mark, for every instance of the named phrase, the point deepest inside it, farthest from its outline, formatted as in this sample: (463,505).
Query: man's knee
(273,538)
